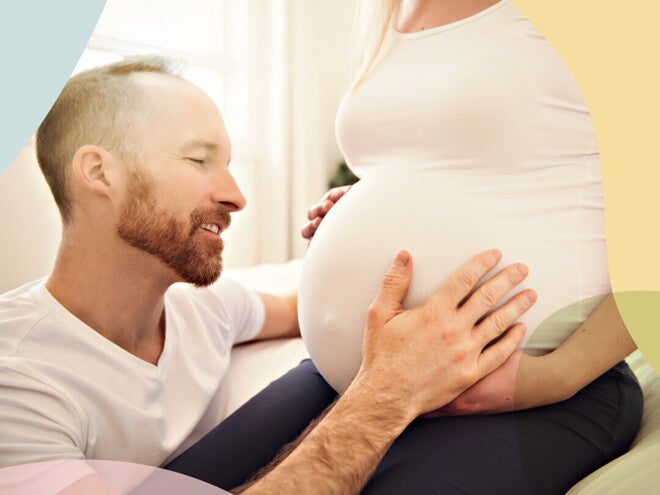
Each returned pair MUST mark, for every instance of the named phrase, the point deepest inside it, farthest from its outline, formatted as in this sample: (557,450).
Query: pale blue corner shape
(40,43)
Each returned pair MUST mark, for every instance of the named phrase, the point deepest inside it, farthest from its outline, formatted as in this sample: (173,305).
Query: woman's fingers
(316,213)
(319,210)
(336,193)
(327,202)
(309,230)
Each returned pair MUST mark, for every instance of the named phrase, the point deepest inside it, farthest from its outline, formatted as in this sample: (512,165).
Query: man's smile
(213,228)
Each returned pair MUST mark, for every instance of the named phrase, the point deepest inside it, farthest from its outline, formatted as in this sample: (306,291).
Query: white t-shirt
(469,136)
(66,392)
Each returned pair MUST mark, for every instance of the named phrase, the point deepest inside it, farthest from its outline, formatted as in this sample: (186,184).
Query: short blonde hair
(97,106)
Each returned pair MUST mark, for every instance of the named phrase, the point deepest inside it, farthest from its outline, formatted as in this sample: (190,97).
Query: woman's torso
(468,136)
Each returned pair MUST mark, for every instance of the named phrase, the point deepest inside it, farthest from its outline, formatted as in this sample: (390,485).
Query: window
(193,32)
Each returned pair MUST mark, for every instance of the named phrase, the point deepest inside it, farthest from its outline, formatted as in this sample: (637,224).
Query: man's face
(175,239)
(178,199)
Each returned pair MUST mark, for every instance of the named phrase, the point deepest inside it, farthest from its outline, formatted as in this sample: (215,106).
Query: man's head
(100,106)
(134,149)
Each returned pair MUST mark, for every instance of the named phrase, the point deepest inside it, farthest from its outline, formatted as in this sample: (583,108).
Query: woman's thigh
(538,451)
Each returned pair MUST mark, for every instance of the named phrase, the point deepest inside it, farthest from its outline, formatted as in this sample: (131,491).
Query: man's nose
(227,192)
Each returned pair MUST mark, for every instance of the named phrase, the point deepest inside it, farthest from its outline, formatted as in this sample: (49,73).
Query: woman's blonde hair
(374,18)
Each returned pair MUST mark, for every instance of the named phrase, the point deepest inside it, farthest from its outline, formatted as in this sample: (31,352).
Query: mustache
(218,215)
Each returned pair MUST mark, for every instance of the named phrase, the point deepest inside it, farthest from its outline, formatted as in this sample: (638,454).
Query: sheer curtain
(299,65)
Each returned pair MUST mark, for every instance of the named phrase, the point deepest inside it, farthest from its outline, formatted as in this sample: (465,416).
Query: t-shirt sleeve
(36,422)
(243,307)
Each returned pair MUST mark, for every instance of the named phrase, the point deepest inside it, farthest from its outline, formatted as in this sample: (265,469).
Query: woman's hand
(494,393)
(522,382)
(316,213)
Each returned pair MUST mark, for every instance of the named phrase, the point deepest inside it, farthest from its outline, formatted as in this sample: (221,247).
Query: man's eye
(198,161)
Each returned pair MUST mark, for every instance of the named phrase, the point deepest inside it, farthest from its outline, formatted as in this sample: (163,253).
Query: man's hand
(427,356)
(525,381)
(316,213)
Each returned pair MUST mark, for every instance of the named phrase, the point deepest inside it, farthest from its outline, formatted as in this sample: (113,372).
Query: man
(112,358)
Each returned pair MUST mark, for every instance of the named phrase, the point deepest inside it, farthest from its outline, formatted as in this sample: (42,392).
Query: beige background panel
(611,48)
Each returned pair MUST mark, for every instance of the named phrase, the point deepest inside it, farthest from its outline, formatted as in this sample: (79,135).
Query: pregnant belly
(443,223)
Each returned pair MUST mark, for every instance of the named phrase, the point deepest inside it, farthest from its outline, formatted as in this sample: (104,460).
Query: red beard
(177,242)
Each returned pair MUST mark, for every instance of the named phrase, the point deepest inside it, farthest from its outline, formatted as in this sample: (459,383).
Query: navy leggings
(538,451)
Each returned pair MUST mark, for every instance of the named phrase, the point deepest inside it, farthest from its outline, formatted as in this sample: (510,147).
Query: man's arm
(281,317)
(413,361)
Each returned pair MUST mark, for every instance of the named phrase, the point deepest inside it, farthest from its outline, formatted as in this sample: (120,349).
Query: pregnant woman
(462,108)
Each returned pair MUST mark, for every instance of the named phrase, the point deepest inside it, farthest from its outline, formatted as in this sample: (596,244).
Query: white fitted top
(469,136)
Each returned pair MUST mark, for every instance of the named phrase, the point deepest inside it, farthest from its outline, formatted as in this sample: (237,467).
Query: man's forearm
(341,452)
(281,319)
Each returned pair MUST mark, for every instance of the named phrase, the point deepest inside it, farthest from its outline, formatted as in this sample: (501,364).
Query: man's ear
(94,169)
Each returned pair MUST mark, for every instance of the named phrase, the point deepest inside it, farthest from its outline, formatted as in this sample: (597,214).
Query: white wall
(30,223)
(296,56)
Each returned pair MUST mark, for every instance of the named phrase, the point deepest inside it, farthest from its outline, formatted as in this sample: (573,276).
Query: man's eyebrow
(195,144)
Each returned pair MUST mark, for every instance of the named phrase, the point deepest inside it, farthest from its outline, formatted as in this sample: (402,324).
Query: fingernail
(531,295)
(522,269)
(402,259)
(496,254)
